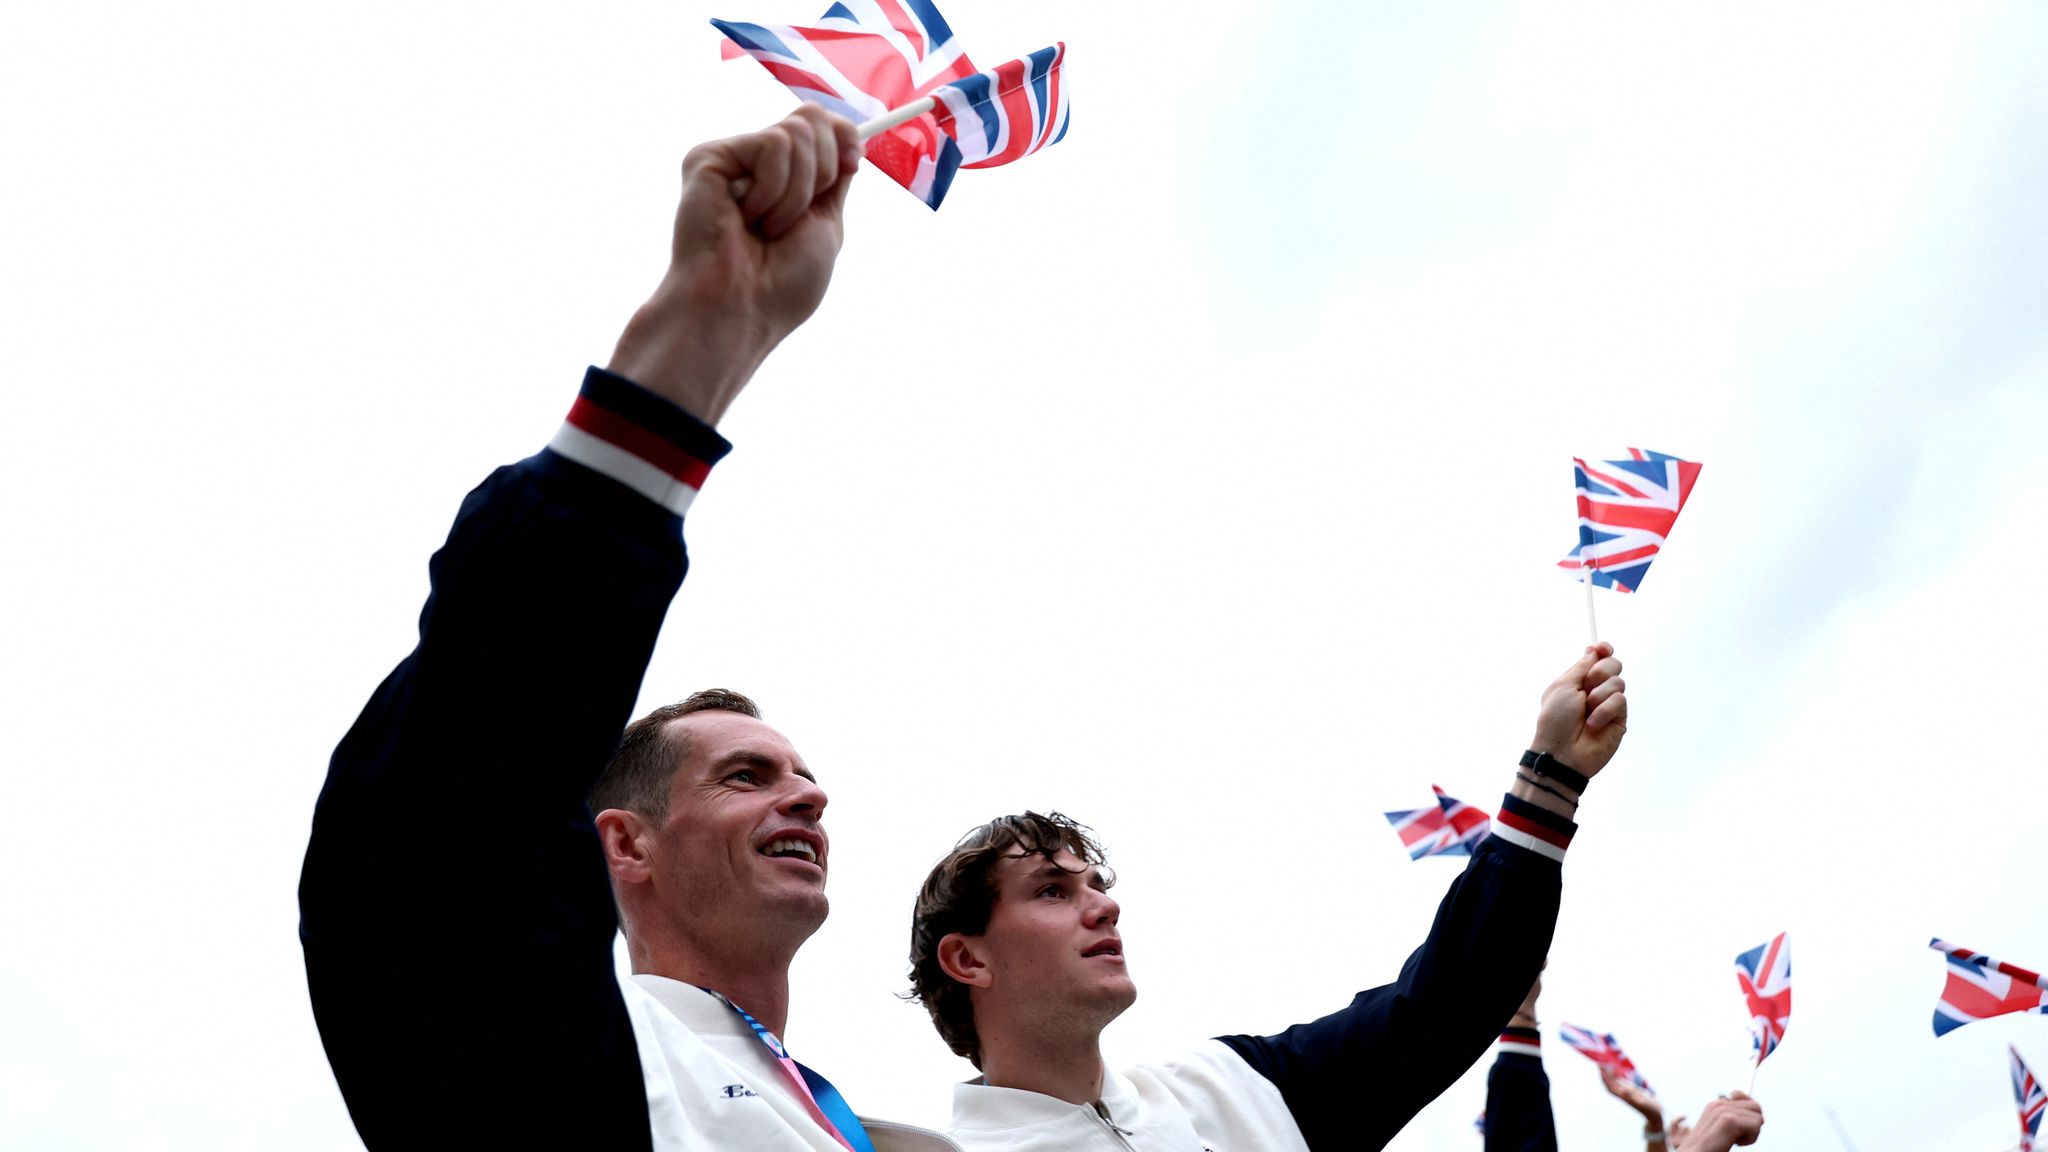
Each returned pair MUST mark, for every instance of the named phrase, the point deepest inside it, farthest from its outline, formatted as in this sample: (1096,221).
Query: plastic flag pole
(1586,569)
(1751,1090)
(868,131)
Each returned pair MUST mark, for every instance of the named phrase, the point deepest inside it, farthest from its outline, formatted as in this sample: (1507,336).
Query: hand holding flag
(1584,712)
(742,275)
(895,68)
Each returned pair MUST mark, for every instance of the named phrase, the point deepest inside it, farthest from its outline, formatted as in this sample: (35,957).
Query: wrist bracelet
(1650,1137)
(1544,764)
(1540,786)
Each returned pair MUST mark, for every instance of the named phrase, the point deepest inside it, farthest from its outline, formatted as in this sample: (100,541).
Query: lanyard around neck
(824,1102)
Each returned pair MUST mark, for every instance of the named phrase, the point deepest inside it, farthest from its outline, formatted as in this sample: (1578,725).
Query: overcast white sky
(1199,477)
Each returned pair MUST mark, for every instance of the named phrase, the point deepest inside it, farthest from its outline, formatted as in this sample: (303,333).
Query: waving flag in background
(867,57)
(2032,1101)
(1765,973)
(1602,1049)
(1452,828)
(1979,986)
(1626,509)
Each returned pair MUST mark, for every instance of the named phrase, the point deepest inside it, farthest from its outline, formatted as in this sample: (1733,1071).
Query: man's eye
(1052,890)
(743,776)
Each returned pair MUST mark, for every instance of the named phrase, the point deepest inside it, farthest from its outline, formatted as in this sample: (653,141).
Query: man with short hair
(1015,952)
(457,902)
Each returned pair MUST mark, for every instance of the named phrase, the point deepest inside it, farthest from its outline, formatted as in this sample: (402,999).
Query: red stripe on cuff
(1528,827)
(615,429)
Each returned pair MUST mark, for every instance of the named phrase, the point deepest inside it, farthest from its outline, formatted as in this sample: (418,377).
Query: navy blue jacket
(455,912)
(1518,1115)
(1354,1078)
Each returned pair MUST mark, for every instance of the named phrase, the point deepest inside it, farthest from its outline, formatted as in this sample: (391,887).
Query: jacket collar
(700,1011)
(980,1106)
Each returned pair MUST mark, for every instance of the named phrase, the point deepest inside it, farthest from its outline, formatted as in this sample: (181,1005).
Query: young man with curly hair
(1015,952)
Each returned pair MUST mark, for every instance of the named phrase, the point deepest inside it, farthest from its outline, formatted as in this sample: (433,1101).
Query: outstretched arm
(454,908)
(1353,1078)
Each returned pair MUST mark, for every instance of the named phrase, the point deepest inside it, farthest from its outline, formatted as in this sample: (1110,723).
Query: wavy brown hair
(960,895)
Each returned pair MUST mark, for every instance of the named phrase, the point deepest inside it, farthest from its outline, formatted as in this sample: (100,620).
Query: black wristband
(1544,764)
(1540,786)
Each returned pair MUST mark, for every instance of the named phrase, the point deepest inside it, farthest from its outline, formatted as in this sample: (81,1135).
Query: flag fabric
(864,58)
(1451,828)
(1626,509)
(867,57)
(1765,973)
(2032,1102)
(1979,986)
(1006,113)
(1602,1049)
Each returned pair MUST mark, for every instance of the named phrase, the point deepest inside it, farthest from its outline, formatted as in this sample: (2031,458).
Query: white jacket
(1207,1101)
(712,1084)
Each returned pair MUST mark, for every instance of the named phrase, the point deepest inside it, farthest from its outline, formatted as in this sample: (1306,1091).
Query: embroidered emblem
(735,1091)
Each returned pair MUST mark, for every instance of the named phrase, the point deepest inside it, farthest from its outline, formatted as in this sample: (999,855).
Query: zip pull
(1102,1114)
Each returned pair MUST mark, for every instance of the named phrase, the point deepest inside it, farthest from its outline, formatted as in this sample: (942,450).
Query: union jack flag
(1603,1049)
(864,58)
(2032,1101)
(867,57)
(1979,986)
(1006,113)
(1765,973)
(1452,828)
(1626,509)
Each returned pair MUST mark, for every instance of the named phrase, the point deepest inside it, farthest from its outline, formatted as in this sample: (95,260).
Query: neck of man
(1066,1065)
(754,974)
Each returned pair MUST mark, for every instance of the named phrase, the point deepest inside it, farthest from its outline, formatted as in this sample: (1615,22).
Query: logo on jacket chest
(735,1091)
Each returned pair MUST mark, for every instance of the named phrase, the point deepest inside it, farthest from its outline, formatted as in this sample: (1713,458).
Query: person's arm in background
(1644,1103)
(1518,1117)
(1411,1039)
(455,914)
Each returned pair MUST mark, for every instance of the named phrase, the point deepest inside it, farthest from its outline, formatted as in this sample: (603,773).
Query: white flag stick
(1751,1090)
(895,116)
(741,185)
(1586,569)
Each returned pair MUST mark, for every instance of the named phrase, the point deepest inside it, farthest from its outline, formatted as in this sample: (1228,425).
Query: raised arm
(454,910)
(1353,1078)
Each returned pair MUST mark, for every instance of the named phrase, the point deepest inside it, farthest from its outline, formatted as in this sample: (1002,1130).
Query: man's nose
(1103,910)
(803,798)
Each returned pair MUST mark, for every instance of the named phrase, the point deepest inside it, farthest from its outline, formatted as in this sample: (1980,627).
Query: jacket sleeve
(1518,1115)
(1353,1078)
(455,913)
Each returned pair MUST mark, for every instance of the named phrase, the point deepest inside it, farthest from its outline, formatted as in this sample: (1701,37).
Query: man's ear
(621,833)
(961,957)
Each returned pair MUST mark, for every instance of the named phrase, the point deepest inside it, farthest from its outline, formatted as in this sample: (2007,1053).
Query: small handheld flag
(1451,828)
(1765,974)
(895,68)
(1602,1049)
(1979,986)
(1626,509)
(2032,1101)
